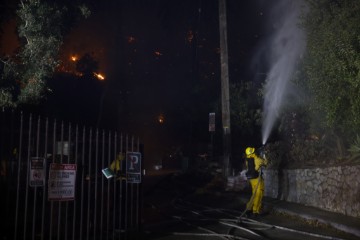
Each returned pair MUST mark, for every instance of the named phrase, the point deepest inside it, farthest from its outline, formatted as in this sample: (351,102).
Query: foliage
(299,146)
(87,65)
(275,155)
(6,98)
(320,132)
(40,31)
(355,150)
(306,152)
(245,107)
(332,62)
(309,146)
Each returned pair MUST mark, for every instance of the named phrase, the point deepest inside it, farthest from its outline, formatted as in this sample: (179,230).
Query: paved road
(180,206)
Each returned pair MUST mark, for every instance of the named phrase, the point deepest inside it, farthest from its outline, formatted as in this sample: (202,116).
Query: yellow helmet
(249,151)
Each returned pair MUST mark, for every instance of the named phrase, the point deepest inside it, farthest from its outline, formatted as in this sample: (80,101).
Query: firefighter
(254,164)
(117,166)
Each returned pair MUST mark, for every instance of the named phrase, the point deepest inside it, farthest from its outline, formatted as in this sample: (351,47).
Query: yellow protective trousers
(257,188)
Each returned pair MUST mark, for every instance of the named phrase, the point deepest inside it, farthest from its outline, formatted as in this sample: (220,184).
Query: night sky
(162,57)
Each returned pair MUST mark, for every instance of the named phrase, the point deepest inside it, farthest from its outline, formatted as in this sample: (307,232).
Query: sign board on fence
(37,172)
(61,185)
(133,167)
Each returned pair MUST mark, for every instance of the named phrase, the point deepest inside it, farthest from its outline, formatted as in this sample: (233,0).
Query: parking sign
(133,167)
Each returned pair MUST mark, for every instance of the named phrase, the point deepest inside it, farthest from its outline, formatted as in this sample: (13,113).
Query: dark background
(160,58)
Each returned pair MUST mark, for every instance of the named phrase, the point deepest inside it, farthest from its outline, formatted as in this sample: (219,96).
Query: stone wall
(335,189)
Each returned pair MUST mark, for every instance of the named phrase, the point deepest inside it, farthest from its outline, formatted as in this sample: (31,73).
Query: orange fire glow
(161,118)
(190,36)
(73,58)
(99,76)
(157,53)
(70,68)
(131,39)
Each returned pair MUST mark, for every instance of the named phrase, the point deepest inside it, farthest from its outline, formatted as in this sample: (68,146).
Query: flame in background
(70,67)
(161,118)
(99,76)
(190,36)
(131,39)
(74,58)
(157,53)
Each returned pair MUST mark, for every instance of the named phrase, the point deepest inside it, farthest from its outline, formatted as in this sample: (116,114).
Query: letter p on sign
(133,162)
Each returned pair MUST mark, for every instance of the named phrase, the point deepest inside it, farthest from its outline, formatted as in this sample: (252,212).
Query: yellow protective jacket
(253,164)
(115,165)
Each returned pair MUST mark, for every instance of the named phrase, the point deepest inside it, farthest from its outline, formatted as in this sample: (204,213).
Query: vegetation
(332,64)
(41,27)
(325,127)
(245,107)
(322,131)
(355,150)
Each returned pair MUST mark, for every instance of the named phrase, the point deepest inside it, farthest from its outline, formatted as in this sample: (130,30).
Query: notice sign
(62,182)
(37,172)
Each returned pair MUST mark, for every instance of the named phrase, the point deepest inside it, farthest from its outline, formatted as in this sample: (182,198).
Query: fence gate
(53,183)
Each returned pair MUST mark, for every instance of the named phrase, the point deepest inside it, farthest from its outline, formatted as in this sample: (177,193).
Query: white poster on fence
(61,184)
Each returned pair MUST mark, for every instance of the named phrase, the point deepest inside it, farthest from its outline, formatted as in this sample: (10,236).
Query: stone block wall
(335,189)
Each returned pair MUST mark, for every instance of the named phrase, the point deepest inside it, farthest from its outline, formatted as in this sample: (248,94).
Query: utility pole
(225,99)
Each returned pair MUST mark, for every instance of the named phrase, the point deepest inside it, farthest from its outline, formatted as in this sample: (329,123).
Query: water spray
(283,52)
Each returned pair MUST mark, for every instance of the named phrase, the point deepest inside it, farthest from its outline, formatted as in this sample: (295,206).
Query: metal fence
(98,207)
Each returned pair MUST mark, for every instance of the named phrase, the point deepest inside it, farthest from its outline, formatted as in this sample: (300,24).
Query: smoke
(282,51)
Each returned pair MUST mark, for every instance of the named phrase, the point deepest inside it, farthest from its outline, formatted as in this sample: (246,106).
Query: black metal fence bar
(102,208)
(126,193)
(137,213)
(96,181)
(88,178)
(120,192)
(27,178)
(102,186)
(59,205)
(108,188)
(45,181)
(35,188)
(131,188)
(83,176)
(76,199)
(18,178)
(52,203)
(114,191)
(67,203)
